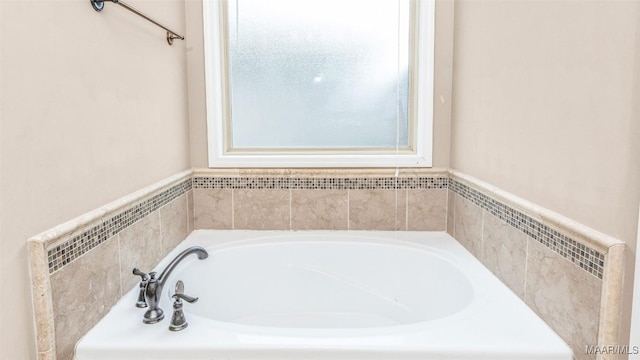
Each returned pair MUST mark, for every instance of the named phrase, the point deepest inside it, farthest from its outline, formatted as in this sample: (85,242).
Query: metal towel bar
(98,5)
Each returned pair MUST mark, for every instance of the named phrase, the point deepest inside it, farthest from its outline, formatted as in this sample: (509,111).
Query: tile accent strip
(311,183)
(588,259)
(78,245)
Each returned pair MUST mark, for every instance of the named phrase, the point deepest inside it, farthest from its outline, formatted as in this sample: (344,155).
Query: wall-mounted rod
(98,5)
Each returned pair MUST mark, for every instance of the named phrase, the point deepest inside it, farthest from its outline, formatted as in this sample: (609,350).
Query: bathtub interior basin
(317,284)
(267,295)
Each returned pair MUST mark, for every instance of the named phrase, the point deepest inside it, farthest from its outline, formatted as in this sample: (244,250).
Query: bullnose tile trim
(69,241)
(574,243)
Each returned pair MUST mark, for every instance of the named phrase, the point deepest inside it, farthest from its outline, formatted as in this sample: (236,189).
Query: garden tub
(328,295)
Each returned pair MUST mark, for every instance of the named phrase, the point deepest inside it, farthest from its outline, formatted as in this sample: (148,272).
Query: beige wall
(442,85)
(93,107)
(546,98)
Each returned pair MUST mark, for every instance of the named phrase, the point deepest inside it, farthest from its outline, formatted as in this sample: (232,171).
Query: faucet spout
(153,289)
(164,275)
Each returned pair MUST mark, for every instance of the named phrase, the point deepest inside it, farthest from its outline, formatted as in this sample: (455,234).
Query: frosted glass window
(318,74)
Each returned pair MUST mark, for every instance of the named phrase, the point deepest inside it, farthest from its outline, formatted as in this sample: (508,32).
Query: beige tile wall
(321,209)
(213,208)
(426,209)
(174,223)
(261,209)
(504,252)
(83,291)
(565,296)
(138,247)
(377,210)
(467,225)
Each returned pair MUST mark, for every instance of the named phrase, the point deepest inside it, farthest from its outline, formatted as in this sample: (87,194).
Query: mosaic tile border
(586,258)
(304,183)
(78,245)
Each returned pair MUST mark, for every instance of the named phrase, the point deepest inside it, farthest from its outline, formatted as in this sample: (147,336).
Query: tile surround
(426,209)
(82,293)
(504,252)
(376,209)
(566,297)
(572,282)
(591,260)
(81,268)
(173,232)
(319,210)
(190,213)
(467,225)
(451,197)
(137,248)
(318,199)
(213,208)
(261,209)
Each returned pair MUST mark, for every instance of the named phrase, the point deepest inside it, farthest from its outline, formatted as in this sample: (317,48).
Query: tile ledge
(57,232)
(611,298)
(319,172)
(581,233)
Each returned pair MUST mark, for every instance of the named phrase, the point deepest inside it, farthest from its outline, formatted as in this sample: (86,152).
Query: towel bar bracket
(98,5)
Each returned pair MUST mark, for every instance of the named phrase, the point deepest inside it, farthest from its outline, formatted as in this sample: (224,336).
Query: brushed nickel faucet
(151,286)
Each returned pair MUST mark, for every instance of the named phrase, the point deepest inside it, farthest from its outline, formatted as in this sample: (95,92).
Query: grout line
(395,223)
(161,230)
(455,214)
(526,269)
(290,180)
(120,265)
(348,209)
(187,207)
(453,211)
(446,216)
(233,209)
(406,209)
(482,236)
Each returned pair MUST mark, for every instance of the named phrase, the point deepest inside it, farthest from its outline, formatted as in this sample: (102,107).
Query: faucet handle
(179,294)
(137,272)
(178,321)
(141,303)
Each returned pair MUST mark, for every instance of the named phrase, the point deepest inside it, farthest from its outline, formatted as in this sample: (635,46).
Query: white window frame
(216,107)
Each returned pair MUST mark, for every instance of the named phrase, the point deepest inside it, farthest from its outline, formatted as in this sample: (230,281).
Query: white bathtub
(329,295)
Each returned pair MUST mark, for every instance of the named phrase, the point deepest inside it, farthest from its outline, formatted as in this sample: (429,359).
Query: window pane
(319,73)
